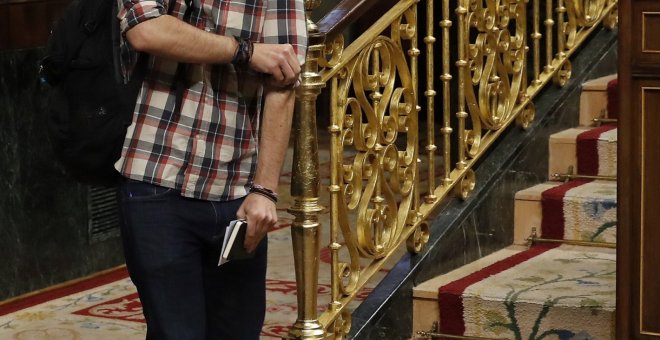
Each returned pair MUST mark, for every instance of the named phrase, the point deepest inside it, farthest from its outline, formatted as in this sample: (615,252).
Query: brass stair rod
(533,238)
(604,120)
(573,242)
(433,335)
(571,176)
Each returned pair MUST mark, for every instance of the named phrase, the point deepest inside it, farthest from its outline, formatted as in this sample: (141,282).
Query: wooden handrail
(346,13)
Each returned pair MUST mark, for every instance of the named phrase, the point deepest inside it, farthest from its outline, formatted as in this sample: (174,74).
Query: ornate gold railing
(378,198)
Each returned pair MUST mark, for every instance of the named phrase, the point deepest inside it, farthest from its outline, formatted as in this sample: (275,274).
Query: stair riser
(583,217)
(563,154)
(527,215)
(593,104)
(593,100)
(425,314)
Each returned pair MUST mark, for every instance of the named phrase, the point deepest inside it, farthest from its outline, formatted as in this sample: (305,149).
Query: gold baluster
(561,36)
(536,37)
(462,64)
(548,37)
(414,53)
(335,190)
(446,130)
(305,229)
(430,103)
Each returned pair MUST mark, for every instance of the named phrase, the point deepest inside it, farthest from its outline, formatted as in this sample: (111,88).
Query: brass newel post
(305,230)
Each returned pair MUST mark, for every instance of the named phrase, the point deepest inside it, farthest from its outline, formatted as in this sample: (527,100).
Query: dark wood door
(638,255)
(27,23)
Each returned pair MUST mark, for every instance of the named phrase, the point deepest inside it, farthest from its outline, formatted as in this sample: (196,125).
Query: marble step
(562,151)
(593,99)
(568,291)
(596,145)
(426,309)
(577,210)
(527,211)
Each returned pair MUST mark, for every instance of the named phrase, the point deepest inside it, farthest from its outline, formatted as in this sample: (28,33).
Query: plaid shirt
(208,150)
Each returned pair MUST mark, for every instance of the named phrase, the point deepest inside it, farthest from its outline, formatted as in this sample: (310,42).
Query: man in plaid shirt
(200,155)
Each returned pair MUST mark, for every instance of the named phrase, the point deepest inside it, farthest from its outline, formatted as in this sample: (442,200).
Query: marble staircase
(544,289)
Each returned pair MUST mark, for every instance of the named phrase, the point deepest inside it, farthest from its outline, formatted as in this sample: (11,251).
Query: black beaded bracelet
(263,191)
(273,199)
(243,52)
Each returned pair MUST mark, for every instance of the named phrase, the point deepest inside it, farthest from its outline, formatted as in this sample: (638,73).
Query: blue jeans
(172,245)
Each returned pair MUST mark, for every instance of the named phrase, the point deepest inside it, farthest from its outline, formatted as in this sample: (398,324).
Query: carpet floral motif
(564,293)
(590,212)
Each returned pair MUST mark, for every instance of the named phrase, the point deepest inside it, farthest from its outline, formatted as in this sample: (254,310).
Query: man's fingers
(260,215)
(289,75)
(293,61)
(279,61)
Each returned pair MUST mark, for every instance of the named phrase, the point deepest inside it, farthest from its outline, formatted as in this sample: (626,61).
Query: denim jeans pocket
(136,190)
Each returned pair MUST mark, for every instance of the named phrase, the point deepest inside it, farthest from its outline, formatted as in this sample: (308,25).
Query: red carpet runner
(450,295)
(587,150)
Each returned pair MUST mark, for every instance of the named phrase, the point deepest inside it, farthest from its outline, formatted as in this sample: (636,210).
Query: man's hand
(260,214)
(278,60)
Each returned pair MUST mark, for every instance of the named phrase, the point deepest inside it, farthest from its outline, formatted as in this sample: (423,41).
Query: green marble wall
(43,214)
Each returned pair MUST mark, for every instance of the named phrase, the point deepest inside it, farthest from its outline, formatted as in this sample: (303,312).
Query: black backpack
(89,104)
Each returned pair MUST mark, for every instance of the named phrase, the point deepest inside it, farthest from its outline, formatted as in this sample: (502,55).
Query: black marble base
(464,231)
(43,214)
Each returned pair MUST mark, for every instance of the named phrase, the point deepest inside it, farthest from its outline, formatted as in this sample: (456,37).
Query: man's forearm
(275,130)
(169,37)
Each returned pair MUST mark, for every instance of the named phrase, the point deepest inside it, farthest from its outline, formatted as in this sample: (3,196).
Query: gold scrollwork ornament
(563,74)
(526,115)
(495,60)
(466,185)
(419,238)
(341,326)
(587,12)
(332,52)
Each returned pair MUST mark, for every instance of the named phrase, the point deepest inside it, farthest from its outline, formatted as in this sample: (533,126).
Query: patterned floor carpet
(107,307)
(111,310)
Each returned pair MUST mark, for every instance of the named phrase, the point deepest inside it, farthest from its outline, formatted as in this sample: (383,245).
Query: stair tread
(564,257)
(552,274)
(568,136)
(533,193)
(568,290)
(429,289)
(598,84)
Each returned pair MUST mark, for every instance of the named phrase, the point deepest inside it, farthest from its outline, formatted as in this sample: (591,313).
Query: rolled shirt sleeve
(284,23)
(133,12)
